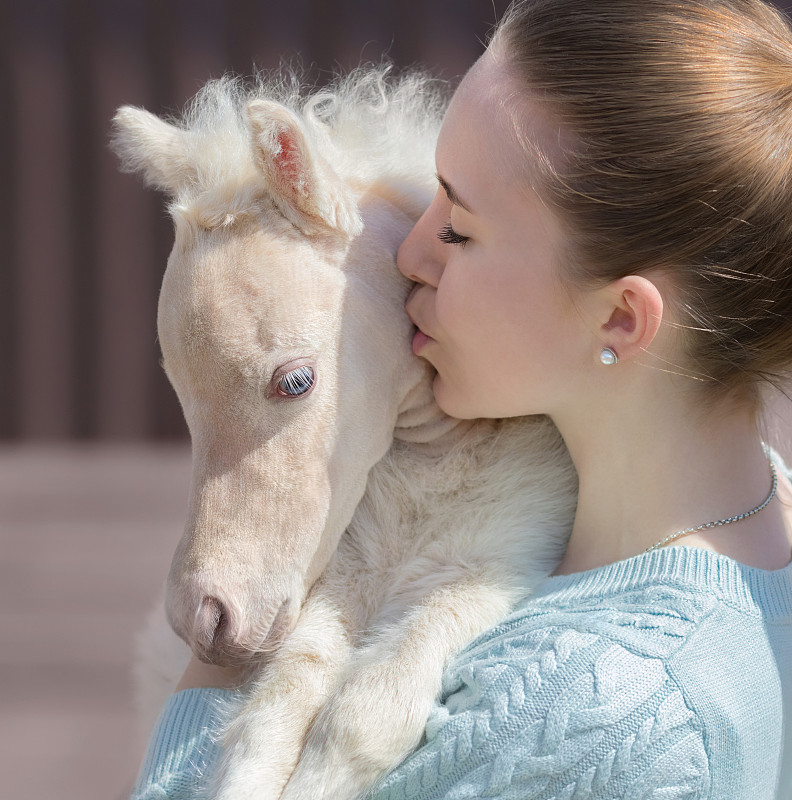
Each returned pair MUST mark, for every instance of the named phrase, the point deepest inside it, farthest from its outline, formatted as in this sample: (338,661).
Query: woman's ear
(633,311)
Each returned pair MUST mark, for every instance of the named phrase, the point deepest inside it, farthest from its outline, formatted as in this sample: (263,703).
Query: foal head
(283,333)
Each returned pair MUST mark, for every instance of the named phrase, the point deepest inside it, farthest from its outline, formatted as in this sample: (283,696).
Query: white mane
(369,127)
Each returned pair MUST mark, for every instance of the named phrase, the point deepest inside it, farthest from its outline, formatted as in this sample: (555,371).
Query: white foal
(344,537)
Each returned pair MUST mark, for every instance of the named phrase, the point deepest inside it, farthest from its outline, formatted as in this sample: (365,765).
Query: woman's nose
(421,255)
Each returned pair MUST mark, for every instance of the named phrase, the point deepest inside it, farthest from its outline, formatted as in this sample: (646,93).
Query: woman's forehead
(475,118)
(493,124)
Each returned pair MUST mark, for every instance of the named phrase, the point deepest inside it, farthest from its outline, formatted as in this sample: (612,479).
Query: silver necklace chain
(728,520)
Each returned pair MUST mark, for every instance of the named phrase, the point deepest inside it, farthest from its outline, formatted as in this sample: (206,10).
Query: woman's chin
(451,402)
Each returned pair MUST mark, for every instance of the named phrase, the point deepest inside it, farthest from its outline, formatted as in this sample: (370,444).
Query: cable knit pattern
(589,690)
(564,704)
(666,676)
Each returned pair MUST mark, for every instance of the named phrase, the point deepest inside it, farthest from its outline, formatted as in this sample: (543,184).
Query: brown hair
(680,114)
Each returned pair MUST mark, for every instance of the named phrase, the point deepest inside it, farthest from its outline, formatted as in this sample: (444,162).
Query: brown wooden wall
(82,248)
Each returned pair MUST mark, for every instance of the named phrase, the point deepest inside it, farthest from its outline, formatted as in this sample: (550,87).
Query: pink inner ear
(289,162)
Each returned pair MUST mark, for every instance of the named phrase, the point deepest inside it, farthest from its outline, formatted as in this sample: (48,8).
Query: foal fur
(344,543)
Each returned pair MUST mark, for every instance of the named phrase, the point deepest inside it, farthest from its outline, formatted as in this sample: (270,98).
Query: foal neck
(429,428)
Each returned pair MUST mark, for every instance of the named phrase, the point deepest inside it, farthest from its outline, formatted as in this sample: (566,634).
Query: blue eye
(297,382)
(448,235)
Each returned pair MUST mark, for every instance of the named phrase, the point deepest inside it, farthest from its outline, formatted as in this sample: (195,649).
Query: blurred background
(83,246)
(94,459)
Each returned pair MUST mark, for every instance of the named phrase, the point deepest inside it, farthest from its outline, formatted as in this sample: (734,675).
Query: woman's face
(492,315)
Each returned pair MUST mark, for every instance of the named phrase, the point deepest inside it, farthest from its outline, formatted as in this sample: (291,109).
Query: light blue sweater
(668,675)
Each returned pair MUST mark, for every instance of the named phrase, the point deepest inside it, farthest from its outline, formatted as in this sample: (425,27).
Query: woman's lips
(420,339)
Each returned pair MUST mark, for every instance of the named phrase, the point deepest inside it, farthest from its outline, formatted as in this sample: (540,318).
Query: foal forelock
(367,128)
(220,205)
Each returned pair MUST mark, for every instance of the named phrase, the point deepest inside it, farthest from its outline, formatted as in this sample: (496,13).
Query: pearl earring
(608,357)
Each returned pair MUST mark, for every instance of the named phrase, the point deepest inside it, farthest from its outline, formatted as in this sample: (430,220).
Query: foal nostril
(212,624)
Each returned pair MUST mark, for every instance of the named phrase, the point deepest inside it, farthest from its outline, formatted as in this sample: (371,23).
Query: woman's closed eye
(448,235)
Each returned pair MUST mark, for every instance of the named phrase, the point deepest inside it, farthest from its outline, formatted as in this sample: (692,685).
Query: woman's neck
(653,468)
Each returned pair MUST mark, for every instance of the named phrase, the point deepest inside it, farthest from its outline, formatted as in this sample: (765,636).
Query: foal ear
(152,147)
(304,187)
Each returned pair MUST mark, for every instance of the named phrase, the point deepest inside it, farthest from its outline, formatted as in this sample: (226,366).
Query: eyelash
(448,235)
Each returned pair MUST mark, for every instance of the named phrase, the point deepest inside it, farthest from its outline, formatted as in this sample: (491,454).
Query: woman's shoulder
(652,605)
(550,708)
(671,589)
(653,676)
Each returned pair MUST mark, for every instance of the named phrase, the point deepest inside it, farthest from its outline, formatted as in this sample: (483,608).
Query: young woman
(611,245)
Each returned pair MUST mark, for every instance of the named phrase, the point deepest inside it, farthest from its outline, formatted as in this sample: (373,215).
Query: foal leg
(378,714)
(263,740)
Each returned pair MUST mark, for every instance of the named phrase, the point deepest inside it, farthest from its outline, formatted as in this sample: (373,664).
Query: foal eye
(297,382)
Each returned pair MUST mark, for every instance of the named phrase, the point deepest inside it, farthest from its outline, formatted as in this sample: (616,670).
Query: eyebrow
(452,195)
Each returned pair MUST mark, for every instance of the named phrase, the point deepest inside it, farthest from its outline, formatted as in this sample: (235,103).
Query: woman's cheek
(445,304)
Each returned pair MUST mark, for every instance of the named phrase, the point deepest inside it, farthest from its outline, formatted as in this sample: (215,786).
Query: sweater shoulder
(558,703)
(655,688)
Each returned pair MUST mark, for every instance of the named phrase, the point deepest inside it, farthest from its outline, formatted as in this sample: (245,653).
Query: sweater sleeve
(182,745)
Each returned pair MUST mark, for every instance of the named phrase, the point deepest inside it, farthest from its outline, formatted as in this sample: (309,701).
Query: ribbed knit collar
(692,568)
